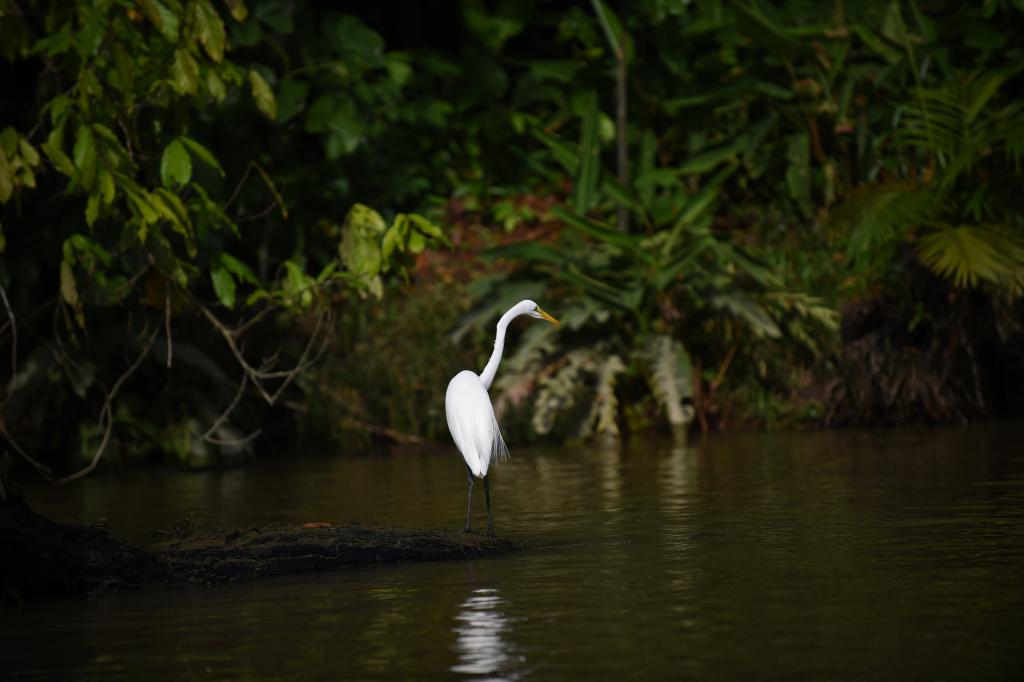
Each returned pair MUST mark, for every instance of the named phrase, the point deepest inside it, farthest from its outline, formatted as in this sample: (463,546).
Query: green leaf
(54,150)
(237,9)
(764,31)
(360,248)
(603,233)
(175,165)
(566,153)
(92,209)
(184,73)
(263,95)
(85,155)
(210,29)
(162,18)
(223,286)
(291,98)
(68,288)
(746,309)
(203,153)
(589,159)
(968,254)
(215,86)
(395,237)
(6,179)
(239,269)
(9,141)
(428,228)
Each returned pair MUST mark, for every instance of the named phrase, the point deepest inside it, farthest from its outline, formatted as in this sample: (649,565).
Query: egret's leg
(469,499)
(487,495)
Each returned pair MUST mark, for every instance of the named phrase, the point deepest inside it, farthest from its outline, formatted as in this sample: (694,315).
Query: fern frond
(670,377)
(749,311)
(604,412)
(878,215)
(558,388)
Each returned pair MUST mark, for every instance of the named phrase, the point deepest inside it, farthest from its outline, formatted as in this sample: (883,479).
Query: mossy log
(41,559)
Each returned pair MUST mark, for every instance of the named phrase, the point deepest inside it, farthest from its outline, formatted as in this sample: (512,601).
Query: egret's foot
(467,529)
(488,533)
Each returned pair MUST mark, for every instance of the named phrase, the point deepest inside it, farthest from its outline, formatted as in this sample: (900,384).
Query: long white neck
(491,368)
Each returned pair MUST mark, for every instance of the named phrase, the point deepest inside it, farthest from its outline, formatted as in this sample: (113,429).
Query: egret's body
(471,419)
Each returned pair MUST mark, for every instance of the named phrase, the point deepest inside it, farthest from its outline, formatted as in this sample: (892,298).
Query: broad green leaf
(360,248)
(263,95)
(529,252)
(203,153)
(9,141)
(566,153)
(184,73)
(416,242)
(162,18)
(603,233)
(223,286)
(210,29)
(85,155)
(239,269)
(237,9)
(764,31)
(798,173)
(6,179)
(428,228)
(291,98)
(69,291)
(54,150)
(709,160)
(175,165)
(215,86)
(92,209)
(394,238)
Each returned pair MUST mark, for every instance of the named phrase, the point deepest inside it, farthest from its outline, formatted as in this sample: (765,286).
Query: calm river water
(894,555)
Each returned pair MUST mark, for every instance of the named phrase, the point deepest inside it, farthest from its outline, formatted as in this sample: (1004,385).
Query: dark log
(281,550)
(40,559)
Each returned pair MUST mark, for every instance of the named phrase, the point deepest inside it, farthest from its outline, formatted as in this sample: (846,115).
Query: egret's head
(534,310)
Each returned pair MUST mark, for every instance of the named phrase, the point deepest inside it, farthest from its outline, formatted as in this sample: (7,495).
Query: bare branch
(107,412)
(235,442)
(229,409)
(259,375)
(40,467)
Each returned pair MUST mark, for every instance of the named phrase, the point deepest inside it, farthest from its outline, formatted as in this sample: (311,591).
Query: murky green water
(849,555)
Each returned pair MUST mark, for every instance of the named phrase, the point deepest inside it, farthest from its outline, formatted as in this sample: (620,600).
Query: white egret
(471,417)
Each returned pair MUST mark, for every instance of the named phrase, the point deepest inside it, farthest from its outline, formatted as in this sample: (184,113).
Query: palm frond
(971,254)
(878,215)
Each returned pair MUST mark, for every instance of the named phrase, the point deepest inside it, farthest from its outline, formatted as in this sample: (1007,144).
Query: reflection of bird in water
(471,417)
(480,635)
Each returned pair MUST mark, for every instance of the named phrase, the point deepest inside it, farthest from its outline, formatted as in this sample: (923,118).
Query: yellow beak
(547,317)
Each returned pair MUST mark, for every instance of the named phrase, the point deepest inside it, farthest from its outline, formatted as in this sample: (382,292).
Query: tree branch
(107,412)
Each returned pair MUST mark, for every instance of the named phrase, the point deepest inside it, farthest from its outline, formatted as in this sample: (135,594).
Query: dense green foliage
(697,189)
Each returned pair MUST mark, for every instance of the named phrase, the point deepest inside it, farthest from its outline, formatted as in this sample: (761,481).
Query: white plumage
(472,423)
(470,415)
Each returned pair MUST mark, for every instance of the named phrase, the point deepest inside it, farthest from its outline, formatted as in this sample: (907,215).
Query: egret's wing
(471,422)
